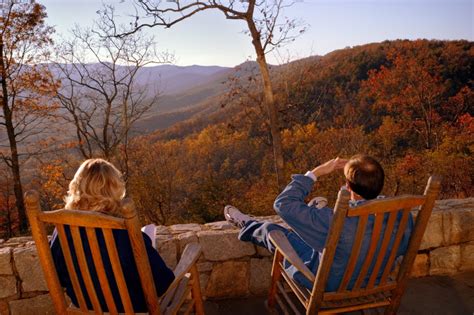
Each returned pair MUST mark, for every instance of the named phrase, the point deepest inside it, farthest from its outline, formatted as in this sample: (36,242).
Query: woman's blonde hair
(97,186)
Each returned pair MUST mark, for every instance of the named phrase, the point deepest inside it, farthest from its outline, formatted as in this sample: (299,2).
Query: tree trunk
(278,160)
(14,161)
(125,122)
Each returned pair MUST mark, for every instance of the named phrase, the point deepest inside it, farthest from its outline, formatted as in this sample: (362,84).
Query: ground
(443,295)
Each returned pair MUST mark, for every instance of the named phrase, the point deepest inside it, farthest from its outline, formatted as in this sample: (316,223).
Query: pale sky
(209,39)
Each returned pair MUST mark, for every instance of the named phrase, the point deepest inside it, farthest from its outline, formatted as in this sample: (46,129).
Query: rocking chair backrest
(75,221)
(374,263)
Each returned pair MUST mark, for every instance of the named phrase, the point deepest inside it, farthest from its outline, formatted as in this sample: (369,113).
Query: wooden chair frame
(186,274)
(388,292)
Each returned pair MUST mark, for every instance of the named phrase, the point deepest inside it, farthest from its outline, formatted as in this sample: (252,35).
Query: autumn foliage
(408,103)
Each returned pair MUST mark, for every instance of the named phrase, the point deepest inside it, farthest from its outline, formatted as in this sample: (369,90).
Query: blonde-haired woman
(98,186)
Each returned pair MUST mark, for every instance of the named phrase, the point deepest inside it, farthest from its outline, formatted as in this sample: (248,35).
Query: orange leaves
(410,89)
(54,185)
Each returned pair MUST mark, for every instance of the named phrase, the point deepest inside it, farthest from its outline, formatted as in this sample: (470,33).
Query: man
(310,223)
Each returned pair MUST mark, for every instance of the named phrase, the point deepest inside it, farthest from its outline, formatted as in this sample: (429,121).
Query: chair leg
(276,275)
(196,291)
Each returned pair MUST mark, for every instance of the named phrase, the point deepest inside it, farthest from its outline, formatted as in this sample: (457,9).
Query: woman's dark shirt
(162,275)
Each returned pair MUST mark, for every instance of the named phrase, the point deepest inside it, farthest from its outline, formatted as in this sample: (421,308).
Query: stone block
(4,310)
(458,226)
(203,280)
(466,203)
(19,240)
(29,269)
(263,251)
(204,266)
(180,228)
(186,238)
(467,256)
(161,229)
(38,305)
(7,286)
(224,245)
(228,279)
(433,236)
(260,275)
(445,260)
(220,225)
(5,261)
(166,247)
(421,266)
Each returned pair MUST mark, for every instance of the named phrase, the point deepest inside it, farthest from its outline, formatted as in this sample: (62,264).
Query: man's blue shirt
(311,225)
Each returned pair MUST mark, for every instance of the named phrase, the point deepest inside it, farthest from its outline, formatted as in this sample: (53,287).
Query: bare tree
(266,26)
(27,89)
(100,90)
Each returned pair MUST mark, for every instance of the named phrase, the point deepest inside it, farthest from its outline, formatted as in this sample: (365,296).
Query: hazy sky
(209,39)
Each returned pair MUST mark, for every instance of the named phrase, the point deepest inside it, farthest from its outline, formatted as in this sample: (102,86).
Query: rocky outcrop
(230,268)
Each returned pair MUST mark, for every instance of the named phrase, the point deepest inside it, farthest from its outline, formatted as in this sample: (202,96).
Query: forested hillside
(409,103)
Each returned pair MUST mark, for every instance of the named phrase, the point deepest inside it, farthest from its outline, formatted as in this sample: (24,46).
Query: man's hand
(329,167)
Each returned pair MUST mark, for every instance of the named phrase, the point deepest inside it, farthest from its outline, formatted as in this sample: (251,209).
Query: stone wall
(230,268)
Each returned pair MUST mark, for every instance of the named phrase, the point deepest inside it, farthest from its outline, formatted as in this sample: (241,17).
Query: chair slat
(301,293)
(370,254)
(393,252)
(359,236)
(70,267)
(282,305)
(189,308)
(82,218)
(86,276)
(332,296)
(383,248)
(276,276)
(182,291)
(287,298)
(385,205)
(141,258)
(99,266)
(117,269)
(280,241)
(196,291)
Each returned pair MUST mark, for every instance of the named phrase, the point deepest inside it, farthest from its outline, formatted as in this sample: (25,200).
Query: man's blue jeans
(257,232)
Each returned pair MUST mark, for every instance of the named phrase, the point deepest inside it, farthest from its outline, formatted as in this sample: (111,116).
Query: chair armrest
(284,247)
(188,259)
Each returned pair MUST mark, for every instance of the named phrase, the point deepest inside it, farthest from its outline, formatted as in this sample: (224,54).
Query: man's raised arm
(309,223)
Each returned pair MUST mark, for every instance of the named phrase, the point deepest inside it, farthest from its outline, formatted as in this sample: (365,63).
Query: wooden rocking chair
(175,298)
(384,292)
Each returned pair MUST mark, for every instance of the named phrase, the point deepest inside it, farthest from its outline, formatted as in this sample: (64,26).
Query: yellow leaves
(54,185)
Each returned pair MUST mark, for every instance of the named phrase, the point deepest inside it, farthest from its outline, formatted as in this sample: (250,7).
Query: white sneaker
(318,202)
(234,216)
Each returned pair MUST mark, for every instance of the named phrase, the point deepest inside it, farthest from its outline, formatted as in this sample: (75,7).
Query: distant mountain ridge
(203,98)
(179,88)
(175,79)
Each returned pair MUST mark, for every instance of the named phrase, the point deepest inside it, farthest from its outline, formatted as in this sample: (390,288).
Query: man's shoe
(234,216)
